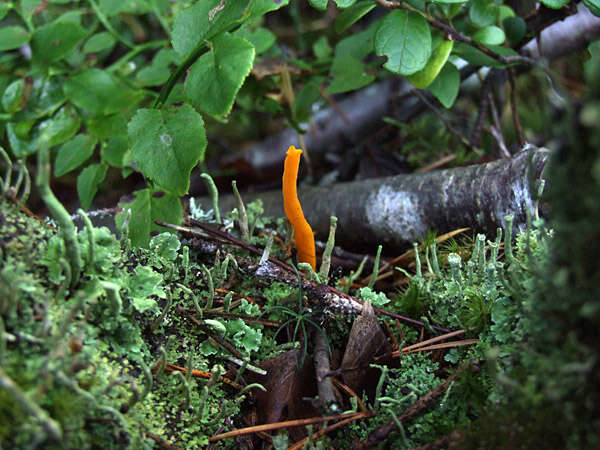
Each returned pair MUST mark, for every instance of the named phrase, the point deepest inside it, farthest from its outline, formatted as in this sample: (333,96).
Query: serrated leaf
(74,153)
(446,85)
(147,207)
(99,42)
(88,181)
(491,35)
(56,40)
(100,92)
(261,38)
(483,12)
(13,37)
(204,20)
(405,38)
(208,18)
(217,76)
(167,144)
(352,15)
(554,4)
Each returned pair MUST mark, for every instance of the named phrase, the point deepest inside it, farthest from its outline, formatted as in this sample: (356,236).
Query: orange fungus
(305,240)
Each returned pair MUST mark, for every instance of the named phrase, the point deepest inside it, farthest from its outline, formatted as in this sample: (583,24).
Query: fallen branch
(397,211)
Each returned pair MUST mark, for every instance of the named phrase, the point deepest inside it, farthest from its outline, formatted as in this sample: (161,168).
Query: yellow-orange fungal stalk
(305,240)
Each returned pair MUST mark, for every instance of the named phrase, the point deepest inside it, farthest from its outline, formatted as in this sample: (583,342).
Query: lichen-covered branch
(397,211)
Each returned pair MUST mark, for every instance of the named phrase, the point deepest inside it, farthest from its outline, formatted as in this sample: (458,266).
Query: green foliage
(92,69)
(217,76)
(167,144)
(405,38)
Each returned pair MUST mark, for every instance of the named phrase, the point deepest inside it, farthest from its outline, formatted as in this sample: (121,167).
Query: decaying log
(397,211)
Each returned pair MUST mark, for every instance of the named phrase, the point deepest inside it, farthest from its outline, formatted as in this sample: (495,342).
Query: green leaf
(445,87)
(99,42)
(405,38)
(555,4)
(321,5)
(12,98)
(352,15)
(4,9)
(104,127)
(504,12)
(88,181)
(217,76)
(114,151)
(261,38)
(344,3)
(60,127)
(483,12)
(204,20)
(56,40)
(515,29)
(305,98)
(147,207)
(44,99)
(13,37)
(491,35)
(321,48)
(593,6)
(167,144)
(357,45)
(348,74)
(100,92)
(114,7)
(449,1)
(74,153)
(439,56)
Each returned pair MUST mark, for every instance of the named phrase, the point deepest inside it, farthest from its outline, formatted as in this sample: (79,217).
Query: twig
(300,444)
(447,123)
(513,107)
(457,35)
(483,110)
(324,384)
(279,425)
(418,407)
(496,129)
(275,270)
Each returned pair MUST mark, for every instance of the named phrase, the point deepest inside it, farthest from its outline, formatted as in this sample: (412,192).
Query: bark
(397,211)
(329,130)
(566,36)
